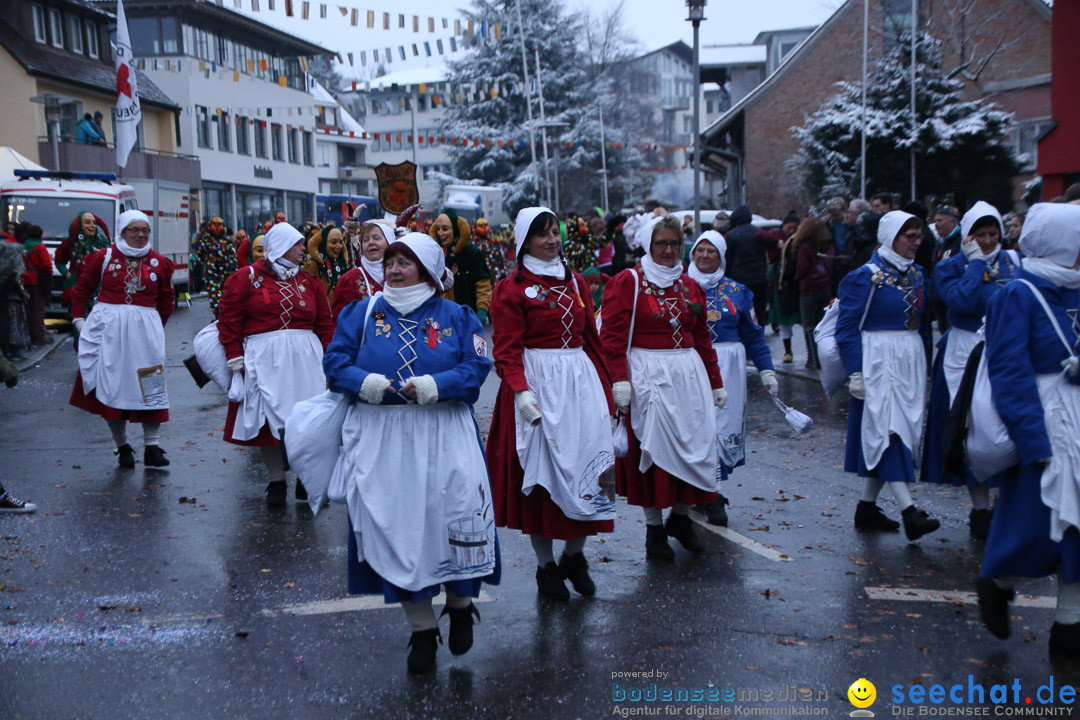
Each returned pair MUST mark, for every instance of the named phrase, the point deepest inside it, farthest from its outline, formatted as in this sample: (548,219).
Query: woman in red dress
(274,323)
(550,437)
(661,357)
(122,342)
(366,279)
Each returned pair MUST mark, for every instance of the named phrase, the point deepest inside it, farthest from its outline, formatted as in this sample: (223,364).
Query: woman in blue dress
(1035,383)
(729,309)
(965,283)
(882,331)
(417,488)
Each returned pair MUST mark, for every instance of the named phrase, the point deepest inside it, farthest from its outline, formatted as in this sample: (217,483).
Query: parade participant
(14,335)
(279,217)
(660,355)
(582,245)
(813,272)
(597,281)
(87,234)
(215,252)
(881,332)
(1034,532)
(729,312)
(1016,225)
(367,279)
(965,283)
(784,311)
(494,258)
(550,437)
(417,489)
(37,280)
(274,323)
(329,258)
(122,343)
(353,241)
(472,281)
(245,250)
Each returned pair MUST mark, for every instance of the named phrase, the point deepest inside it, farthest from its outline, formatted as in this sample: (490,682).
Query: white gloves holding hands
(620,392)
(236,364)
(719,396)
(374,388)
(768,379)
(857,386)
(526,404)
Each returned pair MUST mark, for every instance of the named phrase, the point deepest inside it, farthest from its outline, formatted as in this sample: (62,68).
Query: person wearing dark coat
(747,260)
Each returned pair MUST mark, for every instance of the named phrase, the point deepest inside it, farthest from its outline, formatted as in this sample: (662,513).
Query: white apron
(1061,478)
(894,370)
(122,357)
(731,419)
(571,447)
(957,351)
(418,493)
(281,368)
(670,408)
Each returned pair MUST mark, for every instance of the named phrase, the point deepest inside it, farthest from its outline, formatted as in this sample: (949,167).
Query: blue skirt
(363,580)
(1019,544)
(896,465)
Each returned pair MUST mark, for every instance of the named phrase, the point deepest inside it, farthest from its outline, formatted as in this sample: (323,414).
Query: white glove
(857,386)
(78,323)
(719,397)
(236,364)
(768,379)
(620,392)
(972,251)
(427,391)
(526,404)
(374,388)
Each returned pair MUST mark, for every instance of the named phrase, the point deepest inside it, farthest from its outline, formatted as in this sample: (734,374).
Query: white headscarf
(549,268)
(430,255)
(374,268)
(125,219)
(523,222)
(977,212)
(276,242)
(1050,242)
(708,280)
(657,274)
(888,230)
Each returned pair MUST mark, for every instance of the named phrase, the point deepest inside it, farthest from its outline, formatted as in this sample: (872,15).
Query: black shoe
(918,523)
(276,493)
(681,527)
(301,491)
(656,544)
(549,582)
(461,622)
(868,516)
(125,456)
(11,504)
(715,513)
(424,644)
(994,608)
(1065,639)
(575,568)
(979,521)
(154,456)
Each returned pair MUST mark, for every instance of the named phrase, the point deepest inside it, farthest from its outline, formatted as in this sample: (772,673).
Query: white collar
(407,299)
(373,269)
(544,268)
(659,275)
(705,280)
(129,251)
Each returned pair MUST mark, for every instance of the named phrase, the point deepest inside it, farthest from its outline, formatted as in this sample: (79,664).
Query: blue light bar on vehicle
(64,175)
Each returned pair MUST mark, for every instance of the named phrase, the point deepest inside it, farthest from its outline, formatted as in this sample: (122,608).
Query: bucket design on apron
(152,385)
(472,545)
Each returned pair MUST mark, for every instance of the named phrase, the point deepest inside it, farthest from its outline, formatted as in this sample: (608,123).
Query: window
(275,142)
(223,51)
(293,140)
(223,134)
(202,127)
(170,36)
(92,47)
(56,28)
(260,139)
(242,146)
(309,160)
(40,33)
(75,32)
(324,154)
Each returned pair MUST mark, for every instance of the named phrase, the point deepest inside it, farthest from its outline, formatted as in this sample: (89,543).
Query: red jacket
(154,285)
(813,273)
(38,262)
(353,285)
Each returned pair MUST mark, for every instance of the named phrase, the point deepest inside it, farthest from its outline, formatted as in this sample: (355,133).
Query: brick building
(1059,147)
(1005,46)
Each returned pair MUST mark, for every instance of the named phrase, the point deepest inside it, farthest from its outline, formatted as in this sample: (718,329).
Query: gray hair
(669,222)
(859,206)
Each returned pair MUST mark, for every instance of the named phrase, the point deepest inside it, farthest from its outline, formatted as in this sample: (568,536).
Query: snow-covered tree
(960,145)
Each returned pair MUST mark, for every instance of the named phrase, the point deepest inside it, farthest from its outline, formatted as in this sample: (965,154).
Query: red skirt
(265,438)
(91,404)
(535,513)
(655,487)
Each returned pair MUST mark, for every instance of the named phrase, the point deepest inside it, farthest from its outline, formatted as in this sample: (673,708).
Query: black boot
(994,607)
(154,456)
(125,456)
(575,568)
(549,582)
(301,491)
(918,523)
(424,643)
(461,622)
(979,522)
(1065,639)
(276,493)
(716,514)
(868,516)
(811,351)
(681,527)
(656,544)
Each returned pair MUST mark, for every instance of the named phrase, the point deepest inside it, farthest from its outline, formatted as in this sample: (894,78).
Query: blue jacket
(85,133)
(399,348)
(729,311)
(1022,343)
(898,297)
(966,287)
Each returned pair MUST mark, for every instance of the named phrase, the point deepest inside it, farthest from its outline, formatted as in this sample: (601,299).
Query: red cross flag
(128,112)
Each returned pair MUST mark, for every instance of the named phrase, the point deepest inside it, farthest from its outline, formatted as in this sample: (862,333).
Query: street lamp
(53,117)
(555,128)
(697,14)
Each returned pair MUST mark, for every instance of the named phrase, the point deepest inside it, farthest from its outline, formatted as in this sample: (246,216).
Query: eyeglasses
(670,245)
(137,230)
(913,235)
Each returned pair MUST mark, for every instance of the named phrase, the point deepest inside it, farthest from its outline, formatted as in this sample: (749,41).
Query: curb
(41,353)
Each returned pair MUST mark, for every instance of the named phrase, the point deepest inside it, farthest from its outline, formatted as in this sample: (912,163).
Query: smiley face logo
(862,693)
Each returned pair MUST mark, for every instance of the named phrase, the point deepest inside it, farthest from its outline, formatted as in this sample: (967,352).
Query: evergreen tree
(960,146)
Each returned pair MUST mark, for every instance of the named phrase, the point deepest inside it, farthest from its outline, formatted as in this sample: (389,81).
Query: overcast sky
(654,22)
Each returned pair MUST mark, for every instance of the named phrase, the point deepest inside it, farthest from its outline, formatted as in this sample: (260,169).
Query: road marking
(350,604)
(952,596)
(751,545)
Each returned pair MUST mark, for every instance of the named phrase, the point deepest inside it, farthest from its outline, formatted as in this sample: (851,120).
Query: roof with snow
(323,97)
(726,55)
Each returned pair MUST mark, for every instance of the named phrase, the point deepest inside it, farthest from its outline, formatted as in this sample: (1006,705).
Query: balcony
(145,163)
(674,104)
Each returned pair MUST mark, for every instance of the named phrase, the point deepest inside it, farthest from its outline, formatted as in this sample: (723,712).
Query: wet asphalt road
(118,599)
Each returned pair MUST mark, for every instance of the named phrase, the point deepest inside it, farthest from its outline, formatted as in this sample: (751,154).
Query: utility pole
(603,158)
(543,132)
(914,113)
(865,51)
(697,14)
(528,93)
